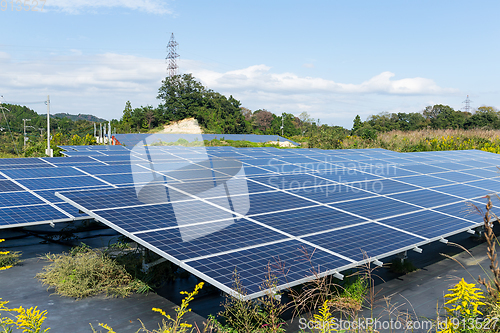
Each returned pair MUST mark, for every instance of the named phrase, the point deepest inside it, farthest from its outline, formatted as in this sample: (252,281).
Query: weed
(8,258)
(87,272)
(176,325)
(29,320)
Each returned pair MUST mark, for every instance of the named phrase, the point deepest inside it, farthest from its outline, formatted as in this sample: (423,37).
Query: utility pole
(282,123)
(25,138)
(48,151)
(109,133)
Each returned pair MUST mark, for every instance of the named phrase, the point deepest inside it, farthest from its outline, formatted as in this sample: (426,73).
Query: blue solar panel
(318,219)
(42,172)
(344,175)
(331,193)
(200,240)
(61,182)
(72,210)
(425,198)
(17,161)
(423,168)
(254,265)
(385,186)
(150,217)
(450,165)
(19,216)
(486,173)
(9,199)
(217,216)
(375,207)
(364,241)
(463,191)
(493,186)
(465,210)
(456,176)
(290,182)
(22,166)
(424,181)
(106,169)
(430,224)
(269,202)
(123,197)
(9,186)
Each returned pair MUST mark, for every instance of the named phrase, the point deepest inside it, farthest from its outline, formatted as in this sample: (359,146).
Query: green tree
(182,96)
(357,124)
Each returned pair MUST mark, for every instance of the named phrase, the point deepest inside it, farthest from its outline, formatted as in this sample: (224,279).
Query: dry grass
(85,273)
(429,140)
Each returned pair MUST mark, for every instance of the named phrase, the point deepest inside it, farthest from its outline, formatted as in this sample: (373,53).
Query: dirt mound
(185,126)
(282,143)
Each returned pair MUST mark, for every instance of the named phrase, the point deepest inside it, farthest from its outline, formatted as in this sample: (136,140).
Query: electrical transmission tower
(467,104)
(172,68)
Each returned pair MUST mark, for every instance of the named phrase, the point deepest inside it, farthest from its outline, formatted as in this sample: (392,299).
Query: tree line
(63,131)
(182,96)
(435,117)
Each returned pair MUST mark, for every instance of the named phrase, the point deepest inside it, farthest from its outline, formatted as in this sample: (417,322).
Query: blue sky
(333,59)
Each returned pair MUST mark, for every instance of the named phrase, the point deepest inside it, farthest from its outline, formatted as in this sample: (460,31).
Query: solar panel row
(298,208)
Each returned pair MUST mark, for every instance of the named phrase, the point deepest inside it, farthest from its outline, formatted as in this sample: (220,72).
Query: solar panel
(215,210)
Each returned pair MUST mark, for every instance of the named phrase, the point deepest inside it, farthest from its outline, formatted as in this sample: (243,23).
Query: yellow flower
(110,330)
(464,299)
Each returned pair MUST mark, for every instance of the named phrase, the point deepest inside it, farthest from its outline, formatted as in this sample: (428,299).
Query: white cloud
(260,78)
(308,65)
(101,84)
(78,6)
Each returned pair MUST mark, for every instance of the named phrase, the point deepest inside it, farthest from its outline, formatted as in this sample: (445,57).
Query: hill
(80,116)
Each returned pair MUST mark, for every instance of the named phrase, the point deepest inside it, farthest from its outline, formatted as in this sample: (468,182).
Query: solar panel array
(132,139)
(214,210)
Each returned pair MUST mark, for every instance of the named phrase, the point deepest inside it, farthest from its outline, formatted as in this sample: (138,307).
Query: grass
(86,272)
(429,140)
(8,258)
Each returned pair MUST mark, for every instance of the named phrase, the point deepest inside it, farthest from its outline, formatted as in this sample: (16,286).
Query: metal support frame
(145,266)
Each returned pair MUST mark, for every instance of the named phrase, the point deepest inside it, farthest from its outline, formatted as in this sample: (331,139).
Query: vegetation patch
(86,272)
(8,258)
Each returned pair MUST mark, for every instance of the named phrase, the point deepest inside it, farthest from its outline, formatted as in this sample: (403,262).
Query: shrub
(86,272)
